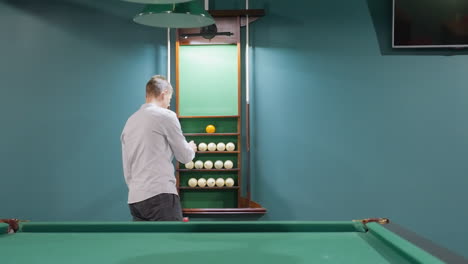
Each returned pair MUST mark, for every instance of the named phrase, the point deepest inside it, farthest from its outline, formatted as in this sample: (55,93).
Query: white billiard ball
(219,164)
(227,164)
(229,182)
(202,182)
(202,147)
(212,146)
(189,165)
(192,182)
(210,182)
(230,146)
(208,164)
(198,164)
(220,182)
(220,146)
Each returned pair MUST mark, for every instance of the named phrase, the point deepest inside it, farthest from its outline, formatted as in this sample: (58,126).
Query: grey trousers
(162,207)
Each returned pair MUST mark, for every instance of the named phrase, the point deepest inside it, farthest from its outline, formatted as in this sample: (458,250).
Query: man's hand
(193,146)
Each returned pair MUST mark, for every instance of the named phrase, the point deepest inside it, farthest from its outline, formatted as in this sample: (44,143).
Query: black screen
(430,23)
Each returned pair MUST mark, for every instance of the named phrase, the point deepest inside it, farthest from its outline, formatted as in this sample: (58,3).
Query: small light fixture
(183,15)
(208,32)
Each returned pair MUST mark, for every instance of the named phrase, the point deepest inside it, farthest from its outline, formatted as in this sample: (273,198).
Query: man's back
(150,139)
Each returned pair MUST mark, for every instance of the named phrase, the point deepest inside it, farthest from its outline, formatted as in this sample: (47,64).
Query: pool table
(207,242)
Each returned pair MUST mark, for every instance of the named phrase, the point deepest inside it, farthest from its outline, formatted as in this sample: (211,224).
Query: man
(150,139)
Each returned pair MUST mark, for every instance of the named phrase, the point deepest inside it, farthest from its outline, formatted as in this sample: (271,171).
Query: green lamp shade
(184,15)
(158,1)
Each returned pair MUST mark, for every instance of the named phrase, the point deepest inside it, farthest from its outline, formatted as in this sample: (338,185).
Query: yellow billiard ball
(210,129)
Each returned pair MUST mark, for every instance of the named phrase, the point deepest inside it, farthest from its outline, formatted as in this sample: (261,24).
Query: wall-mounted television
(430,24)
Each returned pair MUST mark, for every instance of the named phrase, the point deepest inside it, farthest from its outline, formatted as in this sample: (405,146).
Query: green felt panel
(211,217)
(389,243)
(209,198)
(206,242)
(198,125)
(257,226)
(3,228)
(208,80)
(205,174)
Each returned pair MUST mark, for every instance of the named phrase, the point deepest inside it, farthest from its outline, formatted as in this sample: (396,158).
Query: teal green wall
(70,75)
(342,128)
(343,132)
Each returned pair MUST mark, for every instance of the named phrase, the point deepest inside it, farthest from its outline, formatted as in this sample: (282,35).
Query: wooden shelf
(235,13)
(224,211)
(207,170)
(217,152)
(235,116)
(211,134)
(209,188)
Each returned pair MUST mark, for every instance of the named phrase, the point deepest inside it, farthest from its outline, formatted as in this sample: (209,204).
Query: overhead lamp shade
(157,2)
(183,15)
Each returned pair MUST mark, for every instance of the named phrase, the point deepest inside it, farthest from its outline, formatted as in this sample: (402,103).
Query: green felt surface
(257,226)
(208,242)
(216,248)
(209,198)
(198,125)
(208,80)
(394,243)
(3,228)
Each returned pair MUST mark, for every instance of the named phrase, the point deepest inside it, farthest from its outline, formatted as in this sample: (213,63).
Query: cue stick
(247,102)
(169,54)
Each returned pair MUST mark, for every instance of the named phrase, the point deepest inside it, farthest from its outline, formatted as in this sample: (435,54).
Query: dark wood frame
(245,205)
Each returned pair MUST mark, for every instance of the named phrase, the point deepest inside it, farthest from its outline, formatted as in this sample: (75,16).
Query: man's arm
(124,160)
(183,151)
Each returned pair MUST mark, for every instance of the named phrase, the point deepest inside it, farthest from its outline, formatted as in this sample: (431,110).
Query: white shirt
(150,139)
